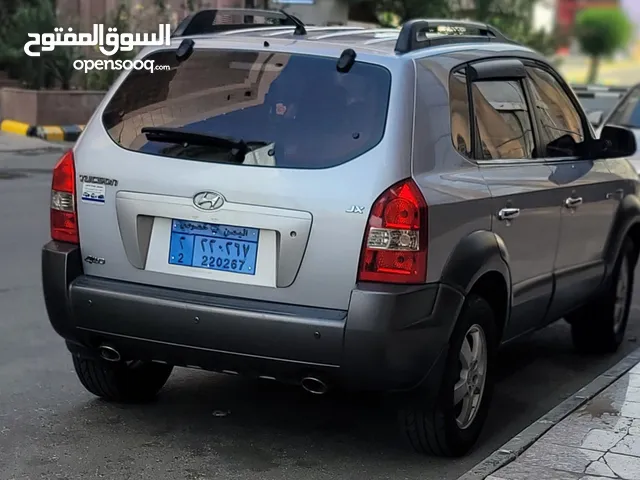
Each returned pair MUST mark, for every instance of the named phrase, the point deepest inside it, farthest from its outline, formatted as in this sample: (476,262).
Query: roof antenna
(346,60)
(300,30)
(185,50)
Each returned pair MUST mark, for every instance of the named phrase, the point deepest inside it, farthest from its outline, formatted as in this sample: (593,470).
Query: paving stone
(522,471)
(634,429)
(630,409)
(573,430)
(624,466)
(632,393)
(634,378)
(546,456)
(602,440)
(629,445)
(591,477)
(601,469)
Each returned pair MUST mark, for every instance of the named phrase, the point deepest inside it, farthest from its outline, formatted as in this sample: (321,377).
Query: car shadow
(258,426)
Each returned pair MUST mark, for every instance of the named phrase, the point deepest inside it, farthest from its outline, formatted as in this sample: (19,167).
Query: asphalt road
(50,428)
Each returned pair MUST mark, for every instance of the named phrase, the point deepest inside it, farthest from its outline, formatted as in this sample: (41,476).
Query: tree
(373,10)
(512,17)
(601,32)
(35,72)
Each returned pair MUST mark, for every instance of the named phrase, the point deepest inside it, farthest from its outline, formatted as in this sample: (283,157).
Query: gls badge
(94,260)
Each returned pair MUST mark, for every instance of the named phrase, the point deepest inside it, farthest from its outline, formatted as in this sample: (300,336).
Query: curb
(522,441)
(52,133)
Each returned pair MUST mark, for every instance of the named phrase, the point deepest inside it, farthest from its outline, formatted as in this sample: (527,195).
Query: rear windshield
(290,111)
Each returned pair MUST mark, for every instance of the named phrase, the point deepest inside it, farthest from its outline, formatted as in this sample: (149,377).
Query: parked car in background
(627,114)
(598,100)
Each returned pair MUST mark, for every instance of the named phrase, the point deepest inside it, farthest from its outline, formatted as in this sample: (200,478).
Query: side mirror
(595,118)
(616,142)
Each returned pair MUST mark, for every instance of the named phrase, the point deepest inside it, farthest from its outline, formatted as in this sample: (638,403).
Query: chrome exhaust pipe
(314,385)
(109,354)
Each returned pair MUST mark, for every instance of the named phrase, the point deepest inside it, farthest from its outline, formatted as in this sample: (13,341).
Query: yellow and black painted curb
(52,133)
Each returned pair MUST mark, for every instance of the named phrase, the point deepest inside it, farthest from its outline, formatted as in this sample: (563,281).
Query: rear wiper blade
(177,135)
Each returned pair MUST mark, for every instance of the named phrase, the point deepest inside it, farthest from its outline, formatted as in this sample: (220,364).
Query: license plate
(214,247)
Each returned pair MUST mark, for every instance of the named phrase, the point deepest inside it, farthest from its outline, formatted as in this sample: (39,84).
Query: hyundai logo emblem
(208,200)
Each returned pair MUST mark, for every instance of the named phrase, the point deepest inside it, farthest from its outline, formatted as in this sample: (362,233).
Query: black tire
(429,422)
(599,327)
(135,382)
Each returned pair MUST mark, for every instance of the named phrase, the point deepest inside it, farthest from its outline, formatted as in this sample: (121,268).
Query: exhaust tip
(109,354)
(314,385)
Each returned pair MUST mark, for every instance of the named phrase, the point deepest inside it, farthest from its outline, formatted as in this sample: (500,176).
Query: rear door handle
(573,202)
(617,194)
(508,213)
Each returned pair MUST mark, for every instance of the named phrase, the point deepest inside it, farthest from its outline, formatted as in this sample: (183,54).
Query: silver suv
(373,210)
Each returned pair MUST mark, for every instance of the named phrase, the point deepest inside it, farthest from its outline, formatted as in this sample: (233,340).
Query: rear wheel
(126,382)
(450,423)
(599,327)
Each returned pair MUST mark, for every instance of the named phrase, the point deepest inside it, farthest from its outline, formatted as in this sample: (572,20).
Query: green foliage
(50,68)
(602,31)
(121,19)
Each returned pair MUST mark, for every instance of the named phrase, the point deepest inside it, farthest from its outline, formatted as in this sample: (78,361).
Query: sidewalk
(18,143)
(598,441)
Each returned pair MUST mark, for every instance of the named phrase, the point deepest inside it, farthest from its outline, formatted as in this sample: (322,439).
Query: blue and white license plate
(214,247)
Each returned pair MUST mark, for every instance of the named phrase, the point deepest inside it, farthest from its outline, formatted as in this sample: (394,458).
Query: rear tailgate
(195,216)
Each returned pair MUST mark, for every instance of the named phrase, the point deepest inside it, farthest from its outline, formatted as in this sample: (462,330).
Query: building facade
(84,13)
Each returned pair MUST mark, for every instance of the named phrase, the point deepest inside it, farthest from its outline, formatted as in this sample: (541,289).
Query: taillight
(395,242)
(64,221)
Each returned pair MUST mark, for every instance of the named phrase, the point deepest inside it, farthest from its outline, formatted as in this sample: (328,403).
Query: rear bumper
(390,338)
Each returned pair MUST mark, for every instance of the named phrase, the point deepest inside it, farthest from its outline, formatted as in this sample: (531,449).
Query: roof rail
(414,34)
(312,29)
(354,31)
(204,21)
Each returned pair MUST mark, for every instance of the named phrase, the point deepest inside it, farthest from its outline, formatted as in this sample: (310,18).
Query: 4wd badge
(94,260)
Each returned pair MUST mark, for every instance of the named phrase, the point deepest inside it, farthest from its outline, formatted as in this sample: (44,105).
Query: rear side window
(627,114)
(459,103)
(502,120)
(276,109)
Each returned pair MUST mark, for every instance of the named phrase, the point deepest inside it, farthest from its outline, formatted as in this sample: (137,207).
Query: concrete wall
(48,107)
(87,12)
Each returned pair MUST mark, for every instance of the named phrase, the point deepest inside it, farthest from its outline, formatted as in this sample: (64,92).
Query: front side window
(251,108)
(502,119)
(627,114)
(560,122)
